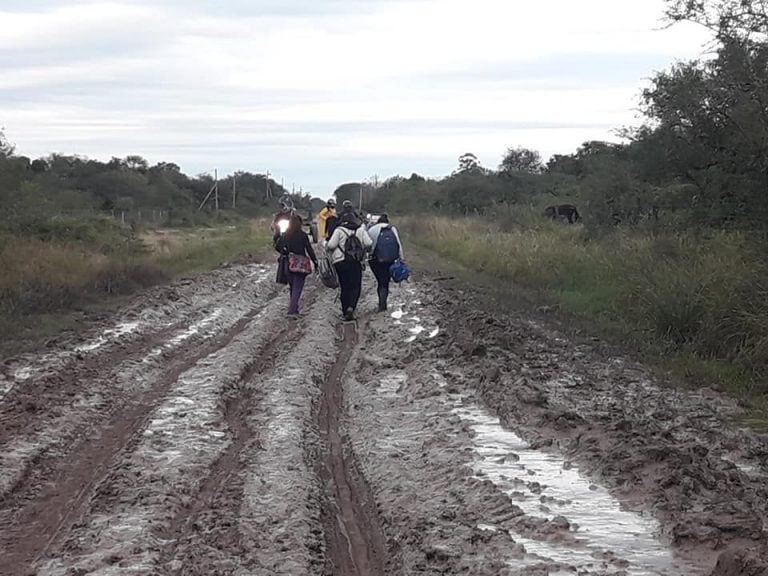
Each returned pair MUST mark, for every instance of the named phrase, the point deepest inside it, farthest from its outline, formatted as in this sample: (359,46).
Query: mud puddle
(109,335)
(411,315)
(155,311)
(546,486)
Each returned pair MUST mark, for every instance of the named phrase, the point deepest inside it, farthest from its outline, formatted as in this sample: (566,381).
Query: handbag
(299,264)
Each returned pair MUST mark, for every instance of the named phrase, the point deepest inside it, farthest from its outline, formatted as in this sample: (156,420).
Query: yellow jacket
(322,218)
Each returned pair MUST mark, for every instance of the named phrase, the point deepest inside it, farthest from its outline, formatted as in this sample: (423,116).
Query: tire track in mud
(44,513)
(25,407)
(354,540)
(21,407)
(212,511)
(64,395)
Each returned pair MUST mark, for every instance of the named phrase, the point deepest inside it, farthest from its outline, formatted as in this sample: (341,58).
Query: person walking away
(322,218)
(330,225)
(348,245)
(347,209)
(387,248)
(282,215)
(296,247)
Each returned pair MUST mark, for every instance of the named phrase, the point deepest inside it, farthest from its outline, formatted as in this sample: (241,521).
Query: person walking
(347,209)
(283,215)
(295,246)
(329,211)
(386,249)
(348,245)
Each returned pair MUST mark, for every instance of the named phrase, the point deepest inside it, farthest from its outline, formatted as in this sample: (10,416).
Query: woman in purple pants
(295,245)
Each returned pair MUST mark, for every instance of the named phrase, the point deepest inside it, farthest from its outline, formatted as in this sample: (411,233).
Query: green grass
(697,305)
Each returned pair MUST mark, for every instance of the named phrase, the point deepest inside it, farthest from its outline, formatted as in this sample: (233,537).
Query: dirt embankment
(201,432)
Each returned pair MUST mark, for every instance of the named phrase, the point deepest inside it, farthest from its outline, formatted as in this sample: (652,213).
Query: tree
(6,148)
(743,20)
(349,191)
(521,160)
(468,162)
(711,117)
(135,162)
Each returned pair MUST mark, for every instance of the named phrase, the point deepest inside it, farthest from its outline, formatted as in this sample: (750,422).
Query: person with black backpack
(386,250)
(348,246)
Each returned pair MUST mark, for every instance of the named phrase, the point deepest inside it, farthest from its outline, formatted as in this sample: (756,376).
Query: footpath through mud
(202,432)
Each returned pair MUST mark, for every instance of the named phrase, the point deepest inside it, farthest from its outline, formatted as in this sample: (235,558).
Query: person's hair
(294,224)
(348,218)
(383,219)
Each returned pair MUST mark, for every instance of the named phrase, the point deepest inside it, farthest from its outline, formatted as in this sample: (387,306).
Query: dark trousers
(381,272)
(296,285)
(350,281)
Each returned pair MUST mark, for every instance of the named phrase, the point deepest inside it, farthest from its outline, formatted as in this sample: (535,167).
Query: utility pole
(234,190)
(361,197)
(267,186)
(213,188)
(216,187)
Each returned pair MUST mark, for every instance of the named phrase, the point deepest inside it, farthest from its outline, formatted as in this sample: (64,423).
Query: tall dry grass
(39,276)
(705,297)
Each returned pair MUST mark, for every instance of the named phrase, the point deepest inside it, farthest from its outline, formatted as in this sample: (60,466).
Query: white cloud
(361,82)
(75,24)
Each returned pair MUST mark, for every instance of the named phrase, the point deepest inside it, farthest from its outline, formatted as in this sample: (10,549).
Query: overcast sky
(325,91)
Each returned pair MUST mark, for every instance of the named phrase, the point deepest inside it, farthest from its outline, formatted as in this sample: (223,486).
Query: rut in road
(212,510)
(43,516)
(355,542)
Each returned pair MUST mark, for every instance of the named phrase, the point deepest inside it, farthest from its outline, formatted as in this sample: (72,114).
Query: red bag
(299,264)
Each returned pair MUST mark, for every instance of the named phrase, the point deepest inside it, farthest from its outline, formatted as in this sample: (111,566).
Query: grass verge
(50,285)
(696,305)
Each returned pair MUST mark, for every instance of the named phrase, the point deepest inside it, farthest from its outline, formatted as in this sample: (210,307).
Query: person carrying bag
(349,245)
(297,258)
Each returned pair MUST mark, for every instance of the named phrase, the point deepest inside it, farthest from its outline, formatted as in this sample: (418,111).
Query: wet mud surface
(200,431)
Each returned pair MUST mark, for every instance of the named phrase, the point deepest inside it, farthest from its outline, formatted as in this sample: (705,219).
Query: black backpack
(354,250)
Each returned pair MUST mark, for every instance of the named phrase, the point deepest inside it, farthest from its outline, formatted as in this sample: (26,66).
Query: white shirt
(339,240)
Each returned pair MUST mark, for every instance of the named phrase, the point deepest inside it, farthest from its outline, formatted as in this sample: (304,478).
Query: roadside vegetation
(698,304)
(77,268)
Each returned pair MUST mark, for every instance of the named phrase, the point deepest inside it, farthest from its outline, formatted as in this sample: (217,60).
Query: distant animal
(563,211)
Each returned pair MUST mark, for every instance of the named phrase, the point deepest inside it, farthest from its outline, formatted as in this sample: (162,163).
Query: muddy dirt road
(202,432)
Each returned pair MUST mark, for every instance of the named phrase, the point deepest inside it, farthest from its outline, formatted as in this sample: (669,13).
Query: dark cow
(567,211)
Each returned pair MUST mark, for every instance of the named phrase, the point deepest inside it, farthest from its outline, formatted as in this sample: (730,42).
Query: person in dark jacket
(295,241)
(381,261)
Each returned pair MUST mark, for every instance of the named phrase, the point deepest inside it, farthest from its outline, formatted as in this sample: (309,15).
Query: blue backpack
(399,271)
(387,246)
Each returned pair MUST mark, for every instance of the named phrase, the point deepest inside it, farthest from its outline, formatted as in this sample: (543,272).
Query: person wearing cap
(322,218)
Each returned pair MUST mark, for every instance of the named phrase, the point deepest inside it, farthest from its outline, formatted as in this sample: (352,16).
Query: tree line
(33,191)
